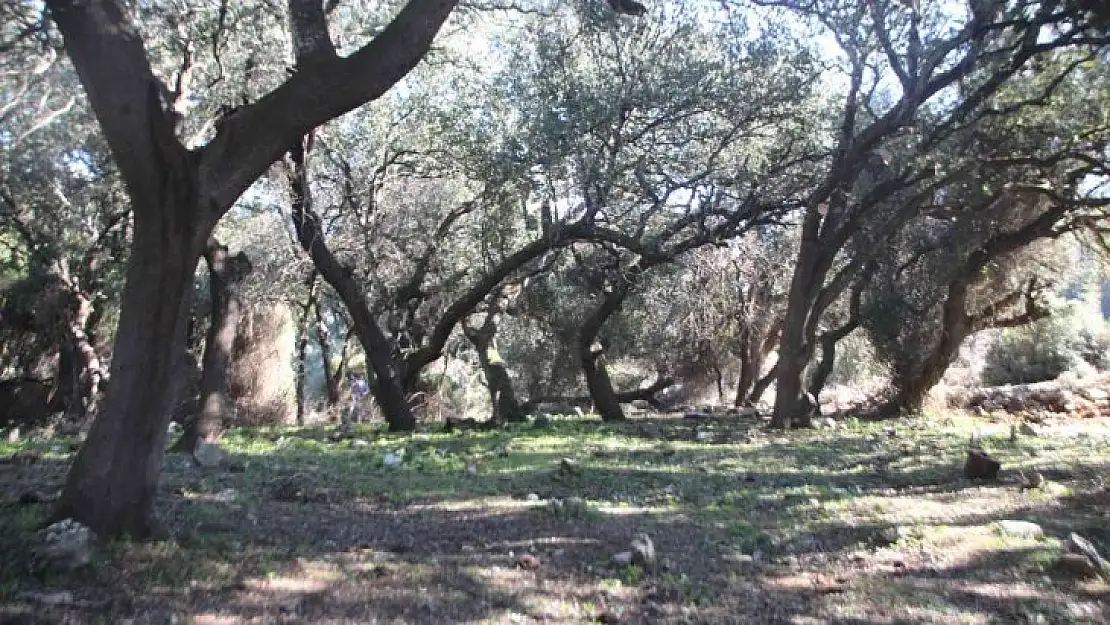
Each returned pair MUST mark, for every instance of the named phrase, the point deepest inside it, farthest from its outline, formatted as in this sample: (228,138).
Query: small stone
(892,534)
(643,551)
(568,466)
(533,497)
(209,455)
(1020,529)
(1076,565)
(60,598)
(32,497)
(472,469)
(623,558)
(358,442)
(394,459)
(1079,545)
(66,545)
(890,431)
(528,562)
(980,465)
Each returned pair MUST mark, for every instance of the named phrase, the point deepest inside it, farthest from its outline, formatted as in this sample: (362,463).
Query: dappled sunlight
(799,528)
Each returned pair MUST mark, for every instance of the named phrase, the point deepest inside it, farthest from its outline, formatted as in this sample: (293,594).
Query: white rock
(623,558)
(1020,529)
(394,459)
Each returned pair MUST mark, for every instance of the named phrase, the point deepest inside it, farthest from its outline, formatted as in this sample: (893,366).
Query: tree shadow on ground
(749,533)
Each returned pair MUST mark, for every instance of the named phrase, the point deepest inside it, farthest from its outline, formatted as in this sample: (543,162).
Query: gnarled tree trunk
(114,479)
(504,405)
(177,196)
(225,274)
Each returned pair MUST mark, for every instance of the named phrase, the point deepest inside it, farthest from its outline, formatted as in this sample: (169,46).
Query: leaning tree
(178,194)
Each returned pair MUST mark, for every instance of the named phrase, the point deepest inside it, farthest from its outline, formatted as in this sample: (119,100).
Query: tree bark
(302,351)
(323,339)
(591,356)
(504,405)
(386,386)
(225,274)
(114,479)
(601,386)
(795,352)
(177,196)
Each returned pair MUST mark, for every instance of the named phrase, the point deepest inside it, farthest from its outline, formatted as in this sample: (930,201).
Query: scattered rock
(528,562)
(892,534)
(623,558)
(472,469)
(567,466)
(890,431)
(66,546)
(980,465)
(59,598)
(1076,565)
(532,497)
(1020,529)
(209,455)
(394,459)
(25,457)
(32,497)
(1032,481)
(703,435)
(296,490)
(643,551)
(828,423)
(1081,546)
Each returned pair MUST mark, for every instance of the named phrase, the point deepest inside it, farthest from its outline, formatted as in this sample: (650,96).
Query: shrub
(1033,353)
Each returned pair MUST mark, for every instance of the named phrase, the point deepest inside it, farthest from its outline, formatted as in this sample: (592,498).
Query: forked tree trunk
(177,196)
(225,273)
(114,478)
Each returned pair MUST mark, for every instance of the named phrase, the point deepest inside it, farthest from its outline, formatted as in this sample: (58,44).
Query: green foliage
(1039,351)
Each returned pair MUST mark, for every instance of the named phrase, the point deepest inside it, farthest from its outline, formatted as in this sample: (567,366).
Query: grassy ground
(852,525)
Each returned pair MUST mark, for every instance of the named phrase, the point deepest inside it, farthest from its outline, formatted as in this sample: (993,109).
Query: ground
(857,524)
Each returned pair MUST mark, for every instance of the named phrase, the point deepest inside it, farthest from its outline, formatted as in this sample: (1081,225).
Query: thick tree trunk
(504,405)
(795,351)
(225,273)
(590,354)
(751,364)
(114,479)
(387,387)
(600,385)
